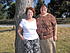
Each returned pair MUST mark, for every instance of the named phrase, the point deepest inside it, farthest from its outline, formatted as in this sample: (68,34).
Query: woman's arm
(54,23)
(55,32)
(19,33)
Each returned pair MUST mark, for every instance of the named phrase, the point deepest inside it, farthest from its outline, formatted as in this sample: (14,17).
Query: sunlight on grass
(5,28)
(7,40)
(63,44)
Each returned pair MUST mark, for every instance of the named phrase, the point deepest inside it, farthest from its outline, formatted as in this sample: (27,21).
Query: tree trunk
(20,10)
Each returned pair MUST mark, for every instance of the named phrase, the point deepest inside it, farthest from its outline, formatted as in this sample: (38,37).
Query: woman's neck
(29,18)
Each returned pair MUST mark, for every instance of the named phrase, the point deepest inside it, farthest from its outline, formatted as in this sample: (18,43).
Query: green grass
(63,42)
(7,40)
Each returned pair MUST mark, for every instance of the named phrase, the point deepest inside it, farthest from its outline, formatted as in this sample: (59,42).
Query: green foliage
(11,11)
(54,7)
(57,8)
(1,14)
(37,8)
(7,12)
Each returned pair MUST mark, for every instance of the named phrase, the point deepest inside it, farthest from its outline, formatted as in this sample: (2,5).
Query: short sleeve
(21,23)
(53,20)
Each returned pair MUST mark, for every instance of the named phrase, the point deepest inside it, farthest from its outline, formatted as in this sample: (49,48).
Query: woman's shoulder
(50,14)
(23,20)
(34,19)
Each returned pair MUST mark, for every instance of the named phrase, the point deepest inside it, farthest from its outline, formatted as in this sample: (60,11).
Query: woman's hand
(22,38)
(19,33)
(54,38)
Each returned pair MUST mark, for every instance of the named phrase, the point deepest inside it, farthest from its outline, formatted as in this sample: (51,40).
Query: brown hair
(30,8)
(43,6)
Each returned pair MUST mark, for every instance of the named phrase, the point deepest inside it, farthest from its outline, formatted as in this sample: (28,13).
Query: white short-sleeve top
(29,29)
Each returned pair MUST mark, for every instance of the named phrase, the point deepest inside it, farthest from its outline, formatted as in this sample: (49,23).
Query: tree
(11,11)
(20,10)
(1,13)
(37,8)
(7,9)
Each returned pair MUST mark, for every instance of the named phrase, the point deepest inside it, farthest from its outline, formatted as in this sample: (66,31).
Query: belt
(46,37)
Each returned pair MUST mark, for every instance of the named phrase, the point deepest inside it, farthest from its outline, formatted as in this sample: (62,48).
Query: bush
(7,22)
(63,21)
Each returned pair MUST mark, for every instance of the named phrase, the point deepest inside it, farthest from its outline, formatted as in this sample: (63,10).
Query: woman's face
(43,10)
(29,13)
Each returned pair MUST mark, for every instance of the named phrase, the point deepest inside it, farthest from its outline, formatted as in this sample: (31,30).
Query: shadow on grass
(6,52)
(7,30)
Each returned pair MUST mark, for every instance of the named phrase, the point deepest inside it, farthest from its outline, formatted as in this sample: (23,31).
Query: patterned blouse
(46,25)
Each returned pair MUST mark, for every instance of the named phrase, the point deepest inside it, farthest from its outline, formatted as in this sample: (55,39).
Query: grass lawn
(63,44)
(7,40)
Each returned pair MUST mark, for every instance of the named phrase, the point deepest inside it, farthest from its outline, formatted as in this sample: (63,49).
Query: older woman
(30,37)
(47,30)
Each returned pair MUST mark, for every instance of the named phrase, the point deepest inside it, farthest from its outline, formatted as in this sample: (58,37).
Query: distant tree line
(56,7)
(7,9)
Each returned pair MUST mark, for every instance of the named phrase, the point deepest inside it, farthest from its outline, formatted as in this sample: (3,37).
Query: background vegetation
(7,9)
(56,7)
